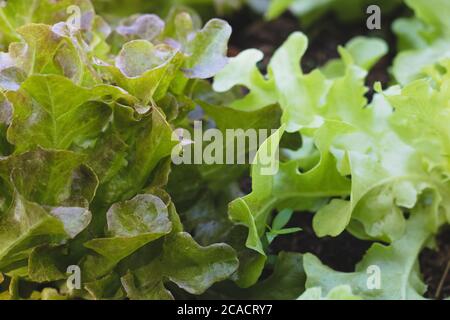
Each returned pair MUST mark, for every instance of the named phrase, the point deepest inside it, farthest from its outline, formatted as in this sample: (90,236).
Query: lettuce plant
(89,107)
(86,139)
(378,170)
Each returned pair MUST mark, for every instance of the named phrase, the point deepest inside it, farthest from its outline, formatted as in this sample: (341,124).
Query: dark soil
(344,252)
(341,253)
(435,266)
(251,32)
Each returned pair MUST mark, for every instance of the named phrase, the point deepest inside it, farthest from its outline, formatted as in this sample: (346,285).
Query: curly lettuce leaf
(52,112)
(397,264)
(425,40)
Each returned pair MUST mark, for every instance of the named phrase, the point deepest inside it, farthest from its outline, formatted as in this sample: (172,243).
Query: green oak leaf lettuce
(397,264)
(424,40)
(368,166)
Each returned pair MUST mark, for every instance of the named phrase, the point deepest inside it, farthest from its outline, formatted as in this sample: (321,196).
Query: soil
(324,38)
(343,252)
(435,266)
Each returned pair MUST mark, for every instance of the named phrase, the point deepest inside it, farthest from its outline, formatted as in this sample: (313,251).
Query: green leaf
(131,225)
(50,207)
(278,224)
(426,36)
(148,142)
(242,70)
(190,266)
(48,50)
(365,52)
(52,294)
(207,50)
(285,282)
(286,231)
(332,219)
(411,33)
(413,64)
(195,268)
(282,219)
(241,210)
(306,100)
(289,82)
(151,289)
(47,264)
(277,7)
(434,13)
(288,187)
(106,288)
(52,178)
(52,112)
(25,226)
(144,70)
(144,27)
(396,265)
